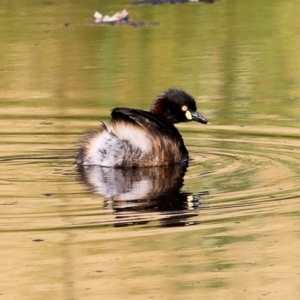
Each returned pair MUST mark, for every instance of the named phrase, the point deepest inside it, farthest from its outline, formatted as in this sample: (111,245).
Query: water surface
(226,227)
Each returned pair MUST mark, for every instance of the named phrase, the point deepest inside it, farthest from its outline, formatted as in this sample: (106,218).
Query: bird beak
(195,116)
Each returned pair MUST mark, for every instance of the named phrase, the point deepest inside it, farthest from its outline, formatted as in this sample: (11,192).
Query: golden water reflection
(132,192)
(61,240)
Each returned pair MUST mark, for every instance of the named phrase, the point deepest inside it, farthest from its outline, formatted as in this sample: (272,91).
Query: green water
(228,227)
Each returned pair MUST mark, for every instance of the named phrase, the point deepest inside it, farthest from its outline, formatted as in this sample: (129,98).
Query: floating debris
(121,16)
(38,240)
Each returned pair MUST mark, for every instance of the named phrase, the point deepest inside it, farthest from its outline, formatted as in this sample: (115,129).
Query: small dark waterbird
(138,138)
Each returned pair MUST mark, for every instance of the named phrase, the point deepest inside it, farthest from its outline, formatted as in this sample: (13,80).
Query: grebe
(138,138)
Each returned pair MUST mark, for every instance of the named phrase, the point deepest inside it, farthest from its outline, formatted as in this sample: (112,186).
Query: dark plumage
(138,138)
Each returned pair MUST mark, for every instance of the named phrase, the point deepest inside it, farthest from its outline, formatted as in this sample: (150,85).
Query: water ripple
(235,172)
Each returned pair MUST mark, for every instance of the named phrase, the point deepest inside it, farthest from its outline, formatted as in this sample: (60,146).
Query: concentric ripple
(243,166)
(234,171)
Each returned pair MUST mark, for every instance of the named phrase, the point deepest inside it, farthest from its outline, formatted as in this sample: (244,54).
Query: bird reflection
(134,192)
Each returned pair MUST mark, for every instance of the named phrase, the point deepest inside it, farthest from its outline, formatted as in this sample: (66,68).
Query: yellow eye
(184,108)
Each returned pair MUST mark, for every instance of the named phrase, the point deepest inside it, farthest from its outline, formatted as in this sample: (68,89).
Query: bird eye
(184,108)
